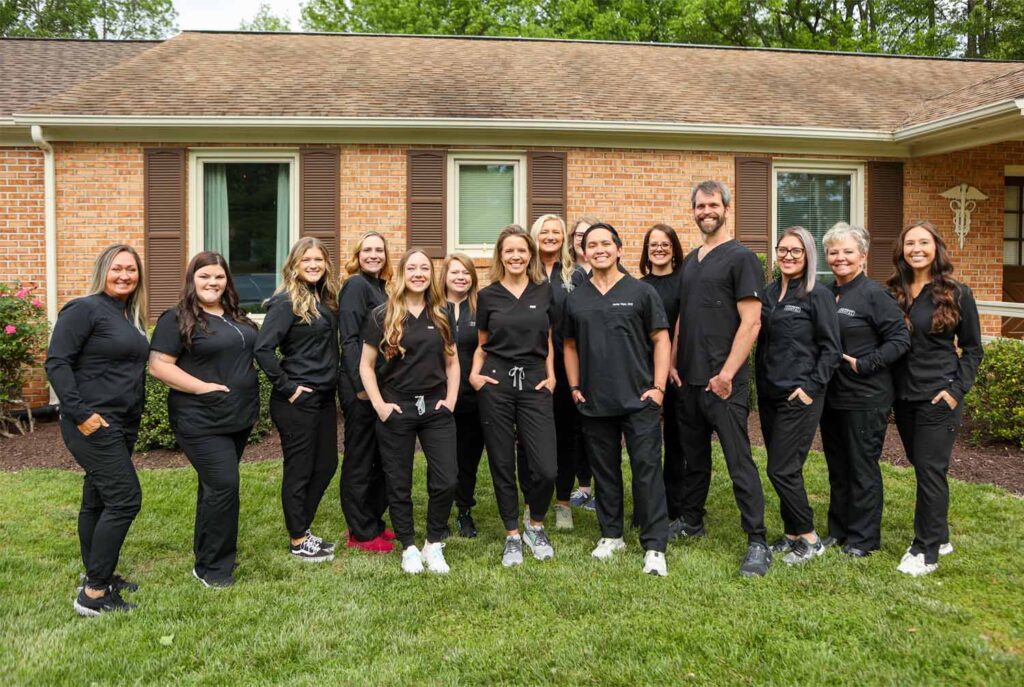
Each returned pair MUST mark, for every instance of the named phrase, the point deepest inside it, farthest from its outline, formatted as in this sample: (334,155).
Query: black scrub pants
(215,458)
(788,428)
(363,492)
(853,441)
(469,449)
(700,413)
(309,441)
(111,495)
(642,432)
(928,433)
(397,439)
(673,469)
(512,408)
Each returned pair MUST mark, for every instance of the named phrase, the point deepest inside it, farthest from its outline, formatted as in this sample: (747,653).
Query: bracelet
(574,388)
(658,388)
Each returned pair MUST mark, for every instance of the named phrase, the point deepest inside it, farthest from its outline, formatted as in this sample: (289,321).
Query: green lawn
(569,621)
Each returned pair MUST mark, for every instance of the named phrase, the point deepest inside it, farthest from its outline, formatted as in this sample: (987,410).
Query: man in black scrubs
(719,318)
(611,321)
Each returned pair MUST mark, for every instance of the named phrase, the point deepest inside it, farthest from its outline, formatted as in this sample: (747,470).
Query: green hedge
(995,406)
(155,429)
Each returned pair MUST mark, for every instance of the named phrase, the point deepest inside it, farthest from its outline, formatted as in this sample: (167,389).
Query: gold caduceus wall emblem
(962,200)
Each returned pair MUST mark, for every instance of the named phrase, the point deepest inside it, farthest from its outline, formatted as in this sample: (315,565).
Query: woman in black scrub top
(797,351)
(302,323)
(203,350)
(414,393)
(661,263)
(514,376)
(363,495)
(583,496)
(96,364)
(460,290)
(932,380)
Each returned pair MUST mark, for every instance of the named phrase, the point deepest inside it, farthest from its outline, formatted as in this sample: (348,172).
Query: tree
(266,20)
(108,19)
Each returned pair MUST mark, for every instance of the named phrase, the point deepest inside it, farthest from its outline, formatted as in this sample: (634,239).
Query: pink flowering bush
(23,335)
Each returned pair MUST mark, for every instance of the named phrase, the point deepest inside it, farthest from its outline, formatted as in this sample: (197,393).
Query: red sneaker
(389,534)
(376,545)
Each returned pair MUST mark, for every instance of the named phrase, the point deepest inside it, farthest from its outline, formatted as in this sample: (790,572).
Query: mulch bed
(1000,464)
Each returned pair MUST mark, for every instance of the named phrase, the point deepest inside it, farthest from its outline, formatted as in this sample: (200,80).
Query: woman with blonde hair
(302,324)
(363,495)
(96,364)
(514,376)
(414,392)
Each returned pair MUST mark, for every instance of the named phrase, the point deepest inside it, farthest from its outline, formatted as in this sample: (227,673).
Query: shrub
(155,428)
(995,406)
(23,334)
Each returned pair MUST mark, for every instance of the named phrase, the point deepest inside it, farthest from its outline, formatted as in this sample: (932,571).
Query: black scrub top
(709,316)
(872,330)
(96,362)
(360,294)
(221,355)
(421,371)
(667,286)
(798,345)
(466,341)
(309,352)
(613,340)
(932,364)
(517,328)
(559,293)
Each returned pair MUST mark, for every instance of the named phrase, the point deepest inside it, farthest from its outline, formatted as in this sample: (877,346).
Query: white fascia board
(916,131)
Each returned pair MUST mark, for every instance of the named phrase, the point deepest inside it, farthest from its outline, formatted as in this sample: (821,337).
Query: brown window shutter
(320,196)
(546,185)
(164,172)
(426,213)
(885,215)
(752,204)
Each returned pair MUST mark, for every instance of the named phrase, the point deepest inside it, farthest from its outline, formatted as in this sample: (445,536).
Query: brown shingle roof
(997,89)
(32,70)
(314,75)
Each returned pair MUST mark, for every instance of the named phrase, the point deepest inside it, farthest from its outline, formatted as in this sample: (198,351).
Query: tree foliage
(266,20)
(108,19)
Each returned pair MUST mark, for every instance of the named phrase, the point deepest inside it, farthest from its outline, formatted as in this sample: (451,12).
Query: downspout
(50,233)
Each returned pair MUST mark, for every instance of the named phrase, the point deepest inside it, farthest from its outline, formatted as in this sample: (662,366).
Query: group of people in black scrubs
(555,364)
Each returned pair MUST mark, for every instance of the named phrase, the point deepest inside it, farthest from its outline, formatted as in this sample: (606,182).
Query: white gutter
(1007,107)
(50,232)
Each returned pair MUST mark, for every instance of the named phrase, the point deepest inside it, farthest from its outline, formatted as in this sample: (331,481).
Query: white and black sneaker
(803,550)
(327,546)
(310,552)
(111,601)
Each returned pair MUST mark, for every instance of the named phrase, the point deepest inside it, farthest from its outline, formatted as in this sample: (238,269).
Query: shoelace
(513,545)
(541,537)
(315,539)
(309,546)
(517,374)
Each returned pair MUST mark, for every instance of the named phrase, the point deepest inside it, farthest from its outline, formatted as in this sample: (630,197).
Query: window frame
(456,158)
(853,168)
(1017,182)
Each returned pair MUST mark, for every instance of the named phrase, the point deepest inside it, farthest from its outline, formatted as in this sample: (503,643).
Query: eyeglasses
(782,252)
(660,246)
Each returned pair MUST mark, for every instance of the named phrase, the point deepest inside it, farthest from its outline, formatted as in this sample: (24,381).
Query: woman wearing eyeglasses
(797,350)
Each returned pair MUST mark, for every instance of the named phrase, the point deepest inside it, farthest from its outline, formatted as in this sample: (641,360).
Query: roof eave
(992,123)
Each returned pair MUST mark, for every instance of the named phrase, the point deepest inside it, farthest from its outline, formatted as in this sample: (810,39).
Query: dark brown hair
(945,292)
(191,313)
(673,238)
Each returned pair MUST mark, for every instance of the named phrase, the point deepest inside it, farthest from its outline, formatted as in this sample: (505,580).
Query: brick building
(243,142)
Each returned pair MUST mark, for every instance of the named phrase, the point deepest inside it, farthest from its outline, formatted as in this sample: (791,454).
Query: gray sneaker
(563,517)
(802,551)
(537,539)
(757,561)
(513,553)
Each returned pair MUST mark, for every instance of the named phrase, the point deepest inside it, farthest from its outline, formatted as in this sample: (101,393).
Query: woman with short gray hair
(860,395)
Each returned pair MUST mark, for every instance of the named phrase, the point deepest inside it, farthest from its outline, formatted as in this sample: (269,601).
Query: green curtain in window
(283,216)
(814,202)
(215,210)
(486,202)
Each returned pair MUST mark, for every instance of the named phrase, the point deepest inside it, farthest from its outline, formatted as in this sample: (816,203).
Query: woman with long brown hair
(932,380)
(96,364)
(202,349)
(302,323)
(414,393)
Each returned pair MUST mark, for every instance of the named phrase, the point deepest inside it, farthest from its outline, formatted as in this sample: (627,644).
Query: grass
(571,621)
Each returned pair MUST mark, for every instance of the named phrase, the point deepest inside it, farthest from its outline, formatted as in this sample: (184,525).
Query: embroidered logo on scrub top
(847,312)
(792,308)
(430,326)
(622,305)
(533,307)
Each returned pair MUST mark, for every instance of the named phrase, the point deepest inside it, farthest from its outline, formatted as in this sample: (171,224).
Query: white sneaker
(654,564)
(434,558)
(914,565)
(563,517)
(412,561)
(946,549)
(606,548)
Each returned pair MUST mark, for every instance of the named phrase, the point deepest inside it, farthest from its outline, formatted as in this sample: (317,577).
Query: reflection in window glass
(486,201)
(815,202)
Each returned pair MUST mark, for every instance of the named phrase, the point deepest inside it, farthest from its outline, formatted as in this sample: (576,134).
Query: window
(243,206)
(486,192)
(1013,222)
(815,195)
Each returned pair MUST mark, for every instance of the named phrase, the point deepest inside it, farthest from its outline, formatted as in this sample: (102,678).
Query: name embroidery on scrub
(792,308)
(533,307)
(847,312)
(622,305)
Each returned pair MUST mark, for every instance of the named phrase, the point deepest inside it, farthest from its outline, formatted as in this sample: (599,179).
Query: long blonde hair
(352,266)
(396,311)
(136,302)
(533,270)
(303,298)
(564,256)
(474,281)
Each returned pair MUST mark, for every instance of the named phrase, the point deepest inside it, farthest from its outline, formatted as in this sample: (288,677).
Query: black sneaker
(445,533)
(111,601)
(310,552)
(830,541)
(680,529)
(327,546)
(757,561)
(464,521)
(855,552)
(214,582)
(782,545)
(117,582)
